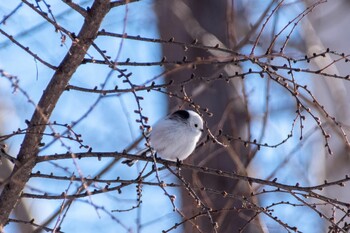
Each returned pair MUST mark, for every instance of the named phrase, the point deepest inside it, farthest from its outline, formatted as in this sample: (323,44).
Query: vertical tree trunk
(197,20)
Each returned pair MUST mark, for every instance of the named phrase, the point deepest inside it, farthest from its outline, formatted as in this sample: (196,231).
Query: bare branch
(122,2)
(76,7)
(29,148)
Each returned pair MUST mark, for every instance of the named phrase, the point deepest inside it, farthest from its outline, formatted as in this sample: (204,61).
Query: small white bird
(175,137)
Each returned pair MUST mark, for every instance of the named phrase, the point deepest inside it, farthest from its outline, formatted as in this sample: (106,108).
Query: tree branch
(30,146)
(76,7)
(122,2)
(207,170)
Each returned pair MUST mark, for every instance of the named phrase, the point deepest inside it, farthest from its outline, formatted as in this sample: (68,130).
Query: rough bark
(29,148)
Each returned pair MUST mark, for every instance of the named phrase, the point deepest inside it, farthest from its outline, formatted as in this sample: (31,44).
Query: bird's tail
(131,162)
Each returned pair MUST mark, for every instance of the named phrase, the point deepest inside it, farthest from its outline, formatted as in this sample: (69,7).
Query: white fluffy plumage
(175,137)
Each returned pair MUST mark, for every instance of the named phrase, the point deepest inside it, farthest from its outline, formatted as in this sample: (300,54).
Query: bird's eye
(195,125)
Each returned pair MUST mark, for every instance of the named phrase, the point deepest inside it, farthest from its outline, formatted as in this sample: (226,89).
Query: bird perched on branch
(175,137)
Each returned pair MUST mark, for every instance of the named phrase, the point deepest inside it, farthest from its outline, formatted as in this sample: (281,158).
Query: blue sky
(111,126)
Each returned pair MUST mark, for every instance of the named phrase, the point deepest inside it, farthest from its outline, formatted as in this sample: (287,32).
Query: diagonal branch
(122,2)
(76,7)
(30,146)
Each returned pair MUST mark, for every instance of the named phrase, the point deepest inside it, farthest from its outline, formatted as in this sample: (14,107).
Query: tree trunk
(29,148)
(200,20)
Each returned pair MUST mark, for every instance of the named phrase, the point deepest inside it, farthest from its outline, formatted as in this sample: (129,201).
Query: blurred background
(248,109)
